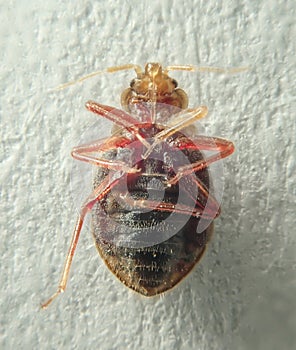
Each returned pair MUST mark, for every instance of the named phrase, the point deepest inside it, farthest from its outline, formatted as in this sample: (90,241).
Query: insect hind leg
(94,197)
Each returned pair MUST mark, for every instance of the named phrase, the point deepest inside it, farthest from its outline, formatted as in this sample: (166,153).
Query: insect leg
(95,196)
(119,117)
(168,207)
(212,208)
(177,123)
(84,153)
(223,147)
(181,121)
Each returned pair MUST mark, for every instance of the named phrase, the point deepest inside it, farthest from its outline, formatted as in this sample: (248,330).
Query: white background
(242,294)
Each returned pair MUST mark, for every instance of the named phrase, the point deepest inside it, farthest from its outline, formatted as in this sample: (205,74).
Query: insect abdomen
(153,268)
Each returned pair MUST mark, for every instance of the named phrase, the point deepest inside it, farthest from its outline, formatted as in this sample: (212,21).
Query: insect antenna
(207,69)
(113,69)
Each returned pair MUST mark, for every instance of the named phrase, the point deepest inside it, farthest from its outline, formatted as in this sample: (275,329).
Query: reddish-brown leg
(84,153)
(177,123)
(223,147)
(119,117)
(212,209)
(210,212)
(95,196)
(169,207)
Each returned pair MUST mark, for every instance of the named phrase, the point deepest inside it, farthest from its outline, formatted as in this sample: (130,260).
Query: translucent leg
(177,123)
(85,153)
(95,196)
(119,117)
(223,147)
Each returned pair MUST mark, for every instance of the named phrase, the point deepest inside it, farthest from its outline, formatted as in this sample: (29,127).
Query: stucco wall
(242,295)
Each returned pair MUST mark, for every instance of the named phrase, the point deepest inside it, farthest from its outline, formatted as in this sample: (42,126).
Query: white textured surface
(242,295)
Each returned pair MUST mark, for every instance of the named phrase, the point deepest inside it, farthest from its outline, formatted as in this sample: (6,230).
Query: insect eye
(175,82)
(132,83)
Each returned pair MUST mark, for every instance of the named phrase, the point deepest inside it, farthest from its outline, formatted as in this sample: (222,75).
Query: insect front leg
(177,123)
(89,153)
(118,117)
(95,196)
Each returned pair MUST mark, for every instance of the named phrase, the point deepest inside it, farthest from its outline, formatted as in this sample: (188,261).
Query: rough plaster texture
(242,295)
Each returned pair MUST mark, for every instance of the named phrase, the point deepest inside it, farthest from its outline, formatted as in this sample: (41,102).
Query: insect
(152,205)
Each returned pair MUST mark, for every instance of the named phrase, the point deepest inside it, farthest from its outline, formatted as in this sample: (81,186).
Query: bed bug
(152,206)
